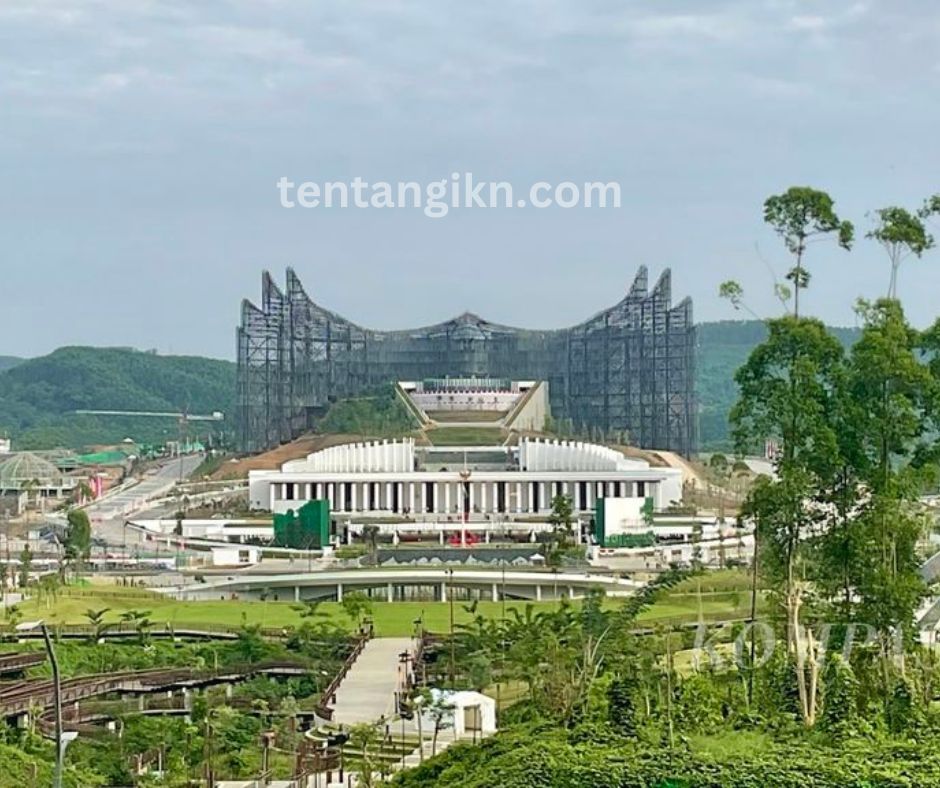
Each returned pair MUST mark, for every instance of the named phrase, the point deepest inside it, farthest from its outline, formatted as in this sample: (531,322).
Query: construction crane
(216,415)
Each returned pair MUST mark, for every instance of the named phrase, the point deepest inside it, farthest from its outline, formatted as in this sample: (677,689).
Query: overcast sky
(141,141)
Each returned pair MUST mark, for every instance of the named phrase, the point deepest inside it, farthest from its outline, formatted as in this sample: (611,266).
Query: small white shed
(241,555)
(473,713)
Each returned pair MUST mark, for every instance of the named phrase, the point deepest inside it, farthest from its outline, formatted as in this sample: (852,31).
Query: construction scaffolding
(629,368)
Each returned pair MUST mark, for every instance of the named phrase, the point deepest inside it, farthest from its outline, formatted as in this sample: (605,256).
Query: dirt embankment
(274,458)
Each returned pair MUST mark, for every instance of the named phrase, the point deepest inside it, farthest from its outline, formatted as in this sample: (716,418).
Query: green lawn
(395,619)
(479,416)
(391,619)
(465,436)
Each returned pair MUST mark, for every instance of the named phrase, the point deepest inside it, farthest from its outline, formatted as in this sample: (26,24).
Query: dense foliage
(223,729)
(8,362)
(839,691)
(379,413)
(30,762)
(537,756)
(722,348)
(37,397)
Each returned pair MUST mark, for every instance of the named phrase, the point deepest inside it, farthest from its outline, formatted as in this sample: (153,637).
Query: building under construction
(629,368)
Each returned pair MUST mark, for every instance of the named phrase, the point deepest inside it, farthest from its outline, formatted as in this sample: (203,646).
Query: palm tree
(140,620)
(96,620)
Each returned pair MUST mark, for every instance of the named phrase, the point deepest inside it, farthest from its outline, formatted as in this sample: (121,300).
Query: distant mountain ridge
(38,396)
(8,362)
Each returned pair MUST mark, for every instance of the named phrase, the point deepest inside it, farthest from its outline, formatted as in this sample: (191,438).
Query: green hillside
(8,362)
(38,396)
(723,347)
(377,413)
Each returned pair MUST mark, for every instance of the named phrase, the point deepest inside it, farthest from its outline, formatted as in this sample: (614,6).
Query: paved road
(108,515)
(368,691)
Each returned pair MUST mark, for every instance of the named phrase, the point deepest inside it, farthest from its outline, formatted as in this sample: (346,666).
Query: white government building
(472,483)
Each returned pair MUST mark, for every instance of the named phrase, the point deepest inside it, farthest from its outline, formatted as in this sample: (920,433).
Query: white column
(339,592)
(389,498)
(471,497)
(341,496)
(411,497)
(391,593)
(538,593)
(518,496)
(447,486)
(354,495)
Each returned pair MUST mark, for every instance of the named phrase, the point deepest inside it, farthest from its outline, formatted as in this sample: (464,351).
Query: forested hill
(7,362)
(38,396)
(723,347)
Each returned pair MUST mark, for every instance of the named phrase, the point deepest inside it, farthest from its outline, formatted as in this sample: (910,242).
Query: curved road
(109,514)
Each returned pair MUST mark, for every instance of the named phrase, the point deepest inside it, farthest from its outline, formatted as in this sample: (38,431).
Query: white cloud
(714,27)
(262,44)
(813,24)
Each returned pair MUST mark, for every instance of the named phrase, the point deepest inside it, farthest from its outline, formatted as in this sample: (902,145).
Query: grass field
(391,619)
(481,416)
(465,436)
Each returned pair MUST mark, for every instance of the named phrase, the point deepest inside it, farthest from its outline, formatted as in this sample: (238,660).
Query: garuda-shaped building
(629,368)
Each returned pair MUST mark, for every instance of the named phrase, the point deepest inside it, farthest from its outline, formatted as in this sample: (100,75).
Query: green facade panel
(307,529)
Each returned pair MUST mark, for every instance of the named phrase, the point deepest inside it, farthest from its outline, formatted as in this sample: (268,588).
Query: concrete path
(368,691)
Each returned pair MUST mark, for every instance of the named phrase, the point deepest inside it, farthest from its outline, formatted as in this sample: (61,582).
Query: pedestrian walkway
(368,691)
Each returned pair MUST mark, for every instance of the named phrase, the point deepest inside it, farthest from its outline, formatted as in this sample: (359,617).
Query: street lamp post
(60,741)
(502,631)
(403,659)
(450,597)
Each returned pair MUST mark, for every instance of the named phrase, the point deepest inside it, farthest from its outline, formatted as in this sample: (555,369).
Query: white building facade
(396,478)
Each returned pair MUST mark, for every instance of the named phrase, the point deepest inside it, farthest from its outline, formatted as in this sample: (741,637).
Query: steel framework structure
(630,367)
